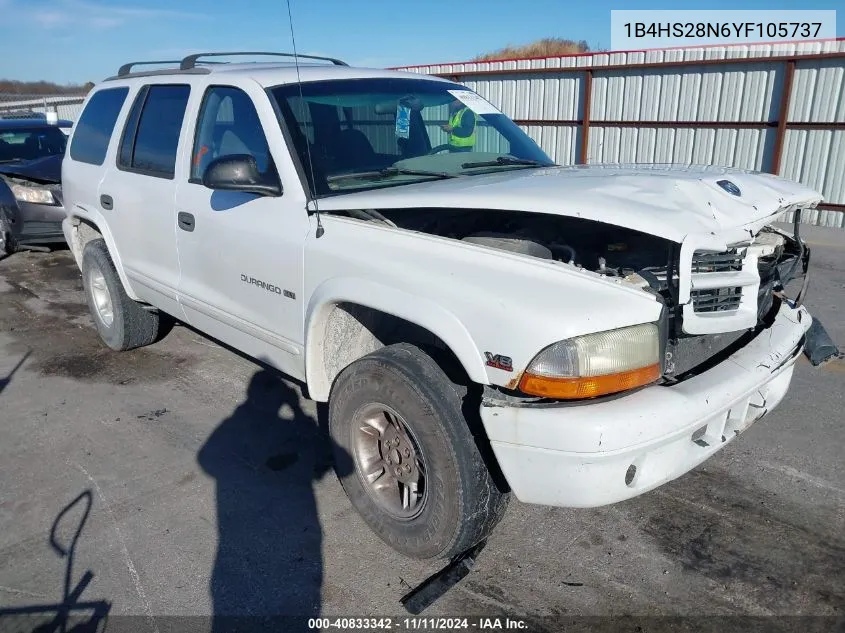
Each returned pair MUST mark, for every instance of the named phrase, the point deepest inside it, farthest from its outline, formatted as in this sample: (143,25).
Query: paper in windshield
(474,102)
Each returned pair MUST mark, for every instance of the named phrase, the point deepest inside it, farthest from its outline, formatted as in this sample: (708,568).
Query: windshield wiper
(12,160)
(391,171)
(505,160)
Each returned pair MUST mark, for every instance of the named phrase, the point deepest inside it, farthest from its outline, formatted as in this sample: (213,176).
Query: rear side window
(151,138)
(95,126)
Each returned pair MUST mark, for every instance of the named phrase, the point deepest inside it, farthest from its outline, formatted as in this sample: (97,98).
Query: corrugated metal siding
(712,93)
(745,149)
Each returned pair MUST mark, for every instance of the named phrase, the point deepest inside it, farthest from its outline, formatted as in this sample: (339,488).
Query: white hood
(668,201)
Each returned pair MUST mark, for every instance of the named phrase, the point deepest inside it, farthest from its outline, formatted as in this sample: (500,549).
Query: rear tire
(396,410)
(122,323)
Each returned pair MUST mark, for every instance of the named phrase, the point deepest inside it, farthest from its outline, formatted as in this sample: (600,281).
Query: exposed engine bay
(602,248)
(592,245)
(644,260)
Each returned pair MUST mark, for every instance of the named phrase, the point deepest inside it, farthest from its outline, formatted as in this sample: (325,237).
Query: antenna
(320,229)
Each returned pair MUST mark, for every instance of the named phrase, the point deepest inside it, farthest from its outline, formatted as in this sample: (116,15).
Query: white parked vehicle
(479,320)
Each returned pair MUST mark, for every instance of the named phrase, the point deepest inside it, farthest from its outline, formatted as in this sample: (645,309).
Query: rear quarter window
(95,126)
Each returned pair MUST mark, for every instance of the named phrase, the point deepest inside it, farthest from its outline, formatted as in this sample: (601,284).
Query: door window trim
(198,123)
(140,104)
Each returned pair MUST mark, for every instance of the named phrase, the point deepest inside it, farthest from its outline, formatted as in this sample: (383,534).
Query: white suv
(478,319)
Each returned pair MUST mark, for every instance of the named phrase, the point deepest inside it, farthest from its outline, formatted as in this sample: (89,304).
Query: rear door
(139,188)
(241,253)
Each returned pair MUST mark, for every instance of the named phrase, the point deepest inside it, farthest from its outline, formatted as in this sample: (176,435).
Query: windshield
(369,133)
(22,144)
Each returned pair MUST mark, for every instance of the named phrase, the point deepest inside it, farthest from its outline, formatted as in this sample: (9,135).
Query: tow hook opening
(630,475)
(698,437)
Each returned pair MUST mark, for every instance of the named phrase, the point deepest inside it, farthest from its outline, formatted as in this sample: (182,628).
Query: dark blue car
(31,209)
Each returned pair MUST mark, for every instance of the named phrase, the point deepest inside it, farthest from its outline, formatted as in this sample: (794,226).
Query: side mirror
(239,172)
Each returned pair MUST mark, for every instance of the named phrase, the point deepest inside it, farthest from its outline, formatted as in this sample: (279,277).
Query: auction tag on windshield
(403,121)
(474,102)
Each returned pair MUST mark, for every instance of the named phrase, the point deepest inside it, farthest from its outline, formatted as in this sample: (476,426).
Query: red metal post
(783,115)
(585,117)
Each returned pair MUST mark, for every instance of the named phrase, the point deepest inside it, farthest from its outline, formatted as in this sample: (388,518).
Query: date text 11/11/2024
(418,624)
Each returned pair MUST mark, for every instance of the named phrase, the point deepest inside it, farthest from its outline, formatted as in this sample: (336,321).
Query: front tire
(122,323)
(406,457)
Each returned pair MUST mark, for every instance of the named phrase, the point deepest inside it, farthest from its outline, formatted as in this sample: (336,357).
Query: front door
(241,253)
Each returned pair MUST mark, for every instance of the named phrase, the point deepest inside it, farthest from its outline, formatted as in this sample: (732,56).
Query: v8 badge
(499,362)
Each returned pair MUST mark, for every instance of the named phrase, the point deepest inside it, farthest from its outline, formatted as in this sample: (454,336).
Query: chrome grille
(716,299)
(704,262)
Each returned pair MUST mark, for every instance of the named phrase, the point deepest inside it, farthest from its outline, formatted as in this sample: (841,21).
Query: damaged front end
(719,300)
(717,295)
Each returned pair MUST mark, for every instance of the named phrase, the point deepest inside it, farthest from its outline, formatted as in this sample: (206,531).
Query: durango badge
(261,284)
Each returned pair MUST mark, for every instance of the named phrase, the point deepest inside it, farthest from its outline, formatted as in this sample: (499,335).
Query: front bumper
(594,454)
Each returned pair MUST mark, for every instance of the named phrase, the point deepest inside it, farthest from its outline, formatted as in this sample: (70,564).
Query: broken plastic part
(819,347)
(435,586)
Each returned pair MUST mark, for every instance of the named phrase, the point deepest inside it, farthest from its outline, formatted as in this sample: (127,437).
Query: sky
(74,41)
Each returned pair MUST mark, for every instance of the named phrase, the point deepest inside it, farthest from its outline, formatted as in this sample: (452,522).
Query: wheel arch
(80,229)
(347,319)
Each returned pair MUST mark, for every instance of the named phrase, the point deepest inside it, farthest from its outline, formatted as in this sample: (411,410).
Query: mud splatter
(104,365)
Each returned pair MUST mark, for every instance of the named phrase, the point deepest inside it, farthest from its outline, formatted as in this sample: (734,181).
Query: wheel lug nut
(389,461)
(407,468)
(407,452)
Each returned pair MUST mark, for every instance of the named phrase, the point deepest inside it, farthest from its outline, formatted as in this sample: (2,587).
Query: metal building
(769,107)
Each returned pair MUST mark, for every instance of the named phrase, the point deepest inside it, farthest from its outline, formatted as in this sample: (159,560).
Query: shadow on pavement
(4,382)
(72,614)
(265,457)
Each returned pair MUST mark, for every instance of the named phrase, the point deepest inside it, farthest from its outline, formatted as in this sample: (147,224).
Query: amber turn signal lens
(575,388)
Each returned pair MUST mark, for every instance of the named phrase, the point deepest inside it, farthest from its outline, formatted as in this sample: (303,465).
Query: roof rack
(126,69)
(191,60)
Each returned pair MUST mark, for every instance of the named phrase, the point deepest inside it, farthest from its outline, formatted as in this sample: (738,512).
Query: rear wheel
(406,456)
(121,322)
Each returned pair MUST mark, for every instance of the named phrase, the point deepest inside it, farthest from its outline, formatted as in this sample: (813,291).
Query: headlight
(38,195)
(595,364)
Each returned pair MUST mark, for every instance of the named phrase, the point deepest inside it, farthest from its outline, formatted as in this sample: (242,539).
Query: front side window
(228,124)
(24,144)
(367,133)
(95,126)
(151,138)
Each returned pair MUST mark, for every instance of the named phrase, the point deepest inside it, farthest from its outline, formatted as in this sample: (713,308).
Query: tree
(546,47)
(15,87)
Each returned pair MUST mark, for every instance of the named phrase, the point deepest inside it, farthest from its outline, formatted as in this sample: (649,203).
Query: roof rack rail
(126,69)
(191,60)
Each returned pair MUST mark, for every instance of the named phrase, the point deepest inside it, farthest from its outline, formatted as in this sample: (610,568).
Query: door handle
(186,221)
(106,202)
